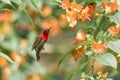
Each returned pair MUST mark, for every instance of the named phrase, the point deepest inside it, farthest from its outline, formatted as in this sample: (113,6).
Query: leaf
(118,65)
(5,9)
(88,53)
(56,2)
(114,45)
(107,59)
(115,18)
(29,18)
(19,3)
(10,43)
(6,1)
(108,24)
(109,79)
(98,24)
(6,57)
(36,4)
(80,67)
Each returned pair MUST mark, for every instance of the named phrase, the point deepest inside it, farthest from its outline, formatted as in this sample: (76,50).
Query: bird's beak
(50,28)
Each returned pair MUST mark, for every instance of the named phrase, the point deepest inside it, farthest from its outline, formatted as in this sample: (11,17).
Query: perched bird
(40,41)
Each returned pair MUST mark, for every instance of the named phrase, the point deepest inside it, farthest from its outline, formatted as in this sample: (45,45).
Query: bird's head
(46,32)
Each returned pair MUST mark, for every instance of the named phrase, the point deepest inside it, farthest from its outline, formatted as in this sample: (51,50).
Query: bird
(40,41)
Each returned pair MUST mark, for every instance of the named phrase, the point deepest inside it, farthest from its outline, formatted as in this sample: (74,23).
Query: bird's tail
(38,56)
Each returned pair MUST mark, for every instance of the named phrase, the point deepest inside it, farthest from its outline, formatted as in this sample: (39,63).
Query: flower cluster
(77,53)
(101,75)
(75,12)
(80,37)
(110,7)
(99,47)
(114,30)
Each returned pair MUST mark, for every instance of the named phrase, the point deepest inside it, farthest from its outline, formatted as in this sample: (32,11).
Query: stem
(91,70)
(28,17)
(93,66)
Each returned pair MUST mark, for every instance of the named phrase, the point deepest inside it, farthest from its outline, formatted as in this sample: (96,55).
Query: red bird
(40,41)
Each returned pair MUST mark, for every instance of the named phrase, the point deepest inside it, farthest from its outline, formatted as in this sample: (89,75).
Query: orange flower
(3,62)
(5,16)
(113,30)
(84,14)
(99,48)
(17,58)
(103,5)
(77,53)
(118,27)
(7,70)
(99,74)
(63,17)
(65,4)
(91,9)
(104,75)
(72,24)
(80,37)
(71,16)
(95,15)
(6,28)
(110,7)
(46,10)
(76,7)
(24,42)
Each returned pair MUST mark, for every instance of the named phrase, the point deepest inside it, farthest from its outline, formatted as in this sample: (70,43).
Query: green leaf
(98,24)
(6,57)
(114,45)
(107,59)
(29,18)
(5,9)
(88,53)
(19,3)
(80,67)
(115,18)
(6,1)
(56,2)
(10,43)
(118,65)
(36,4)
(108,24)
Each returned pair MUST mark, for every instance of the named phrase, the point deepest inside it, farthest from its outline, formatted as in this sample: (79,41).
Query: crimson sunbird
(40,41)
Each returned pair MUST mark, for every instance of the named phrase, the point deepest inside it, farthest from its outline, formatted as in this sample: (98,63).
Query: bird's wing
(37,41)
(38,46)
